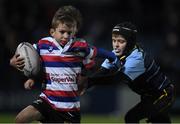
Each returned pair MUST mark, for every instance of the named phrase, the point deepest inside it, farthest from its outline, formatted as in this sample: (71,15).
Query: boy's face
(119,44)
(63,33)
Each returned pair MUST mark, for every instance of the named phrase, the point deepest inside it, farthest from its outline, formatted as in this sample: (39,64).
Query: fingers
(29,84)
(20,60)
(20,63)
(16,55)
(82,92)
(17,62)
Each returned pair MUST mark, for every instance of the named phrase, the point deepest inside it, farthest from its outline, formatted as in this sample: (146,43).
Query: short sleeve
(106,64)
(134,65)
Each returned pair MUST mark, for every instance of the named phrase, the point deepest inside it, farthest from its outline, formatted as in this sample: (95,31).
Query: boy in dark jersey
(141,73)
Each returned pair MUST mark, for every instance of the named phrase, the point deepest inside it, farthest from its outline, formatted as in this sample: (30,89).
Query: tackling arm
(105,77)
(90,52)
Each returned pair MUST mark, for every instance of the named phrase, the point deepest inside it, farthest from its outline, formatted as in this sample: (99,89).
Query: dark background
(158,23)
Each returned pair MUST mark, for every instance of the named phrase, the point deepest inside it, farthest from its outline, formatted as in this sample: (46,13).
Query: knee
(19,119)
(131,118)
(28,115)
(22,118)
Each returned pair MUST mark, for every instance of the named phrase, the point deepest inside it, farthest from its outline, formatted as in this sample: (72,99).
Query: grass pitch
(9,118)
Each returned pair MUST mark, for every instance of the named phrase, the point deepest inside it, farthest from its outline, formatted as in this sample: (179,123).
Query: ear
(52,32)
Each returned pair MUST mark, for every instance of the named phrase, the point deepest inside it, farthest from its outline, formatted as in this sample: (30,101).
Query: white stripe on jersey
(62,86)
(46,52)
(54,53)
(91,53)
(63,105)
(70,71)
(50,39)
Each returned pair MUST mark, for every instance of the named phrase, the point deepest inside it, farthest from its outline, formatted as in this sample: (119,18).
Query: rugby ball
(32,59)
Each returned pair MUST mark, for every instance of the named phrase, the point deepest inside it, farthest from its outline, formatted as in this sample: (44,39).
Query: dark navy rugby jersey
(142,72)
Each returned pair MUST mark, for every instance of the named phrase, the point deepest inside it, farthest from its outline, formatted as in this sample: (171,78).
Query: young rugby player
(141,73)
(63,56)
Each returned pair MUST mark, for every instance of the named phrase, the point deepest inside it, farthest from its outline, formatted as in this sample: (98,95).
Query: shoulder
(134,65)
(45,43)
(136,54)
(136,57)
(46,40)
(79,42)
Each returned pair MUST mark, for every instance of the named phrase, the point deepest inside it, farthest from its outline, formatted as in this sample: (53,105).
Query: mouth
(63,42)
(117,50)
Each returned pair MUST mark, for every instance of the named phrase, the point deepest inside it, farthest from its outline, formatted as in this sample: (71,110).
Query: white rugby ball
(32,60)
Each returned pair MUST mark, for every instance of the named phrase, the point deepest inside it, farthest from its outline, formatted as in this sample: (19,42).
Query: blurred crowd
(29,20)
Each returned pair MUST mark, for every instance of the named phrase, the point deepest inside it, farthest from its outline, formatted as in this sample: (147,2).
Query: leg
(161,108)
(135,114)
(160,118)
(159,113)
(28,115)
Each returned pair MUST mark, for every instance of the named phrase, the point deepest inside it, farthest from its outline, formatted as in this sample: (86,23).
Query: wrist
(102,53)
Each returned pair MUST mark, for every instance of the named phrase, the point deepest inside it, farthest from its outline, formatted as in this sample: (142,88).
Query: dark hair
(69,15)
(128,31)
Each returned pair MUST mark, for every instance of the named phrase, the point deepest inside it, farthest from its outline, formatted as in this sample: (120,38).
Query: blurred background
(158,23)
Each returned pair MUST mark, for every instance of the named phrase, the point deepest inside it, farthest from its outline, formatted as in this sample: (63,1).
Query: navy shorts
(52,116)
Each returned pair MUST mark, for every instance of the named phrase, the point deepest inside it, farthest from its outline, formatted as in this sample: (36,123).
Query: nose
(116,44)
(66,35)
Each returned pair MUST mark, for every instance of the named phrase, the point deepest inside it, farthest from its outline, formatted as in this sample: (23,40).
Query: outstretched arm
(102,53)
(84,82)
(83,49)
(102,77)
(107,74)
(105,77)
